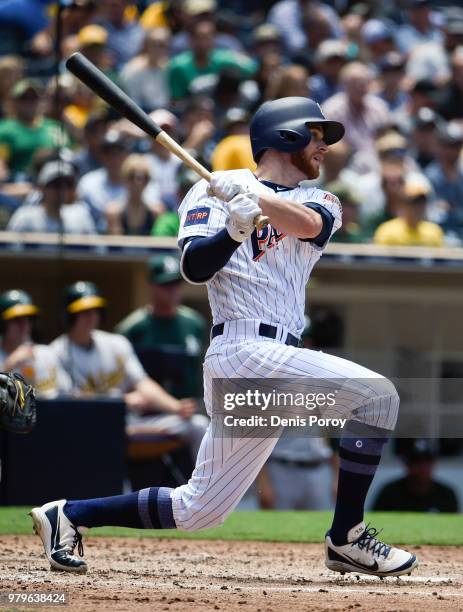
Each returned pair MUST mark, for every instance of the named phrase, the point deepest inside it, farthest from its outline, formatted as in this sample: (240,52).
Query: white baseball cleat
(365,554)
(59,537)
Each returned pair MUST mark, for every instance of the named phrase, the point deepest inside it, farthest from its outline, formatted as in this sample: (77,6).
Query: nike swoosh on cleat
(372,568)
(334,556)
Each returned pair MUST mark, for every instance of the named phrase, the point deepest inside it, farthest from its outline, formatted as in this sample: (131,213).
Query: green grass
(398,528)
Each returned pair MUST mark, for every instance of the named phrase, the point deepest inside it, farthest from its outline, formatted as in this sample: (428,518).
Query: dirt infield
(150,574)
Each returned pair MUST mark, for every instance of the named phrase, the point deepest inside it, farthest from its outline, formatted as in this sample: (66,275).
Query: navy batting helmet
(282,125)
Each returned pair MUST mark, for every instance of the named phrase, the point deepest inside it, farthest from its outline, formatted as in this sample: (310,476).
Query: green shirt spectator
(167,337)
(167,224)
(19,142)
(28,131)
(351,231)
(202,60)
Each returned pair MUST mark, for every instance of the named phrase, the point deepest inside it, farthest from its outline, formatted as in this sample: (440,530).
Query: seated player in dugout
(168,337)
(417,490)
(101,363)
(256,282)
(37,363)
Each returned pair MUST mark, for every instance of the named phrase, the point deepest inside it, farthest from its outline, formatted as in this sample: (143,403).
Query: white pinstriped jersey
(265,278)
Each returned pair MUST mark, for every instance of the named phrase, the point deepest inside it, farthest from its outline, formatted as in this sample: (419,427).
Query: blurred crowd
(391,71)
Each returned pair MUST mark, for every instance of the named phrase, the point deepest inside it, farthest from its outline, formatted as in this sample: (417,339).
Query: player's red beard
(303,162)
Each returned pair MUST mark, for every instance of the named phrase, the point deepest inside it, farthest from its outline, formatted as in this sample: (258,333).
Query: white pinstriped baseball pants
(226,467)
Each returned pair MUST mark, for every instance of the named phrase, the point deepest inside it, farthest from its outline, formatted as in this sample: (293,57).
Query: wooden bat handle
(169,143)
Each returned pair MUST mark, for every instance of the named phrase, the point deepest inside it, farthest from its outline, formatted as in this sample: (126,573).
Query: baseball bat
(98,82)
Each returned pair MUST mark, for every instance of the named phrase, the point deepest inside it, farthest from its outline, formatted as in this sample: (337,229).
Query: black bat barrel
(98,82)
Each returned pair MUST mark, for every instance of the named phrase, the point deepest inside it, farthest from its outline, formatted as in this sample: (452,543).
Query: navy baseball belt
(268,331)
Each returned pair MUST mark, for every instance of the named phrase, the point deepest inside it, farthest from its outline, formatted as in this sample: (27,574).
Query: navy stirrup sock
(146,509)
(359,459)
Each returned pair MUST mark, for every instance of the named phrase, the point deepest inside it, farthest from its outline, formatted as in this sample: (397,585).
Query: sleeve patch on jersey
(197,216)
(331,198)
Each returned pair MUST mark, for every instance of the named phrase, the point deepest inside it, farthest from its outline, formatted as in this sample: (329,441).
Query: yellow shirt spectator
(398,232)
(410,227)
(232,153)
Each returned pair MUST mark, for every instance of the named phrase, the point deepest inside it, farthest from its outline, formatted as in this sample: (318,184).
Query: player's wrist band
(268,331)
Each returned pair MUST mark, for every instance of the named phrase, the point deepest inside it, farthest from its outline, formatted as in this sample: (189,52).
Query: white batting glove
(242,210)
(223,186)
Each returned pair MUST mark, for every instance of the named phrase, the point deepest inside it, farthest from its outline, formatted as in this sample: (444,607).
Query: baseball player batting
(256,283)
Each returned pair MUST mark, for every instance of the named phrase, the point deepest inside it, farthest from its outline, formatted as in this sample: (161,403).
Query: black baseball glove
(18,411)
